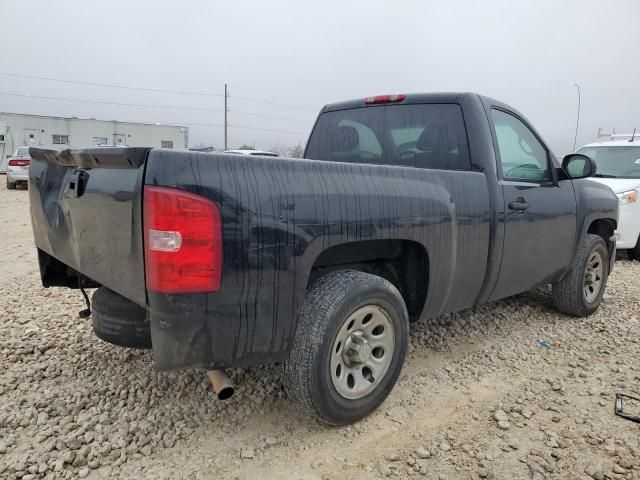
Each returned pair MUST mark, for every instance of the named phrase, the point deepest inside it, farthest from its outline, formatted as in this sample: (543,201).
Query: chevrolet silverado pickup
(404,207)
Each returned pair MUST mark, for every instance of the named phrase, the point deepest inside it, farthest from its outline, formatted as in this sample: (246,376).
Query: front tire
(580,292)
(349,346)
(634,253)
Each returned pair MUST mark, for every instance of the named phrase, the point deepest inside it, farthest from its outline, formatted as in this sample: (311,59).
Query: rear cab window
(431,136)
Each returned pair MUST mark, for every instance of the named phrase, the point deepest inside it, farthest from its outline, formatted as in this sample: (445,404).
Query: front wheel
(634,253)
(349,347)
(580,292)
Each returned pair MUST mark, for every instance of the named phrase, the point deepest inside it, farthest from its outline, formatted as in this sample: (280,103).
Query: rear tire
(119,321)
(335,380)
(576,294)
(11,185)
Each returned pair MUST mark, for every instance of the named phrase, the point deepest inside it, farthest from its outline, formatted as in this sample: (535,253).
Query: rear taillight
(385,99)
(183,241)
(18,163)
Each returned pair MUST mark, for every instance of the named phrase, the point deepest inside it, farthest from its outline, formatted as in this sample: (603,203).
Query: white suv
(619,168)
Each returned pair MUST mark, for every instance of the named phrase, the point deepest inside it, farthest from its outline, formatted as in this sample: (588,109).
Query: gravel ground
(479,396)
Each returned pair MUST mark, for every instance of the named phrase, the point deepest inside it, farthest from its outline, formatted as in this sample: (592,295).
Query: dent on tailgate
(86,212)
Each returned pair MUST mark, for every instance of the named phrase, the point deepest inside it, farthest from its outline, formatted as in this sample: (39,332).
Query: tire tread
(321,298)
(119,321)
(634,253)
(567,293)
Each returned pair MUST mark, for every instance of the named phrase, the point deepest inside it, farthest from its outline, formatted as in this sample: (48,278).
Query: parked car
(407,207)
(618,164)
(18,168)
(263,153)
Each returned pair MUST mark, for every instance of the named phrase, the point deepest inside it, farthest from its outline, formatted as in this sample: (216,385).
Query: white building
(18,130)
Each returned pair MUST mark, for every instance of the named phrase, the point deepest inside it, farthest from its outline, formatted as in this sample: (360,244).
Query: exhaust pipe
(221,384)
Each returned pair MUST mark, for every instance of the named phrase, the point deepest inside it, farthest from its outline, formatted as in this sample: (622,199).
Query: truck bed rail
(105,157)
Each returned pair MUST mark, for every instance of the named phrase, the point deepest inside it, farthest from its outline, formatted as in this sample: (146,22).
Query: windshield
(618,162)
(22,152)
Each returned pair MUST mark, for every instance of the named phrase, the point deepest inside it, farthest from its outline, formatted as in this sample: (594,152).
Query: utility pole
(226,96)
(575,138)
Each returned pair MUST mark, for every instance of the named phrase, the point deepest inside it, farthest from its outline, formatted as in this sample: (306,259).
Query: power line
(268,129)
(273,103)
(182,92)
(156,106)
(271,116)
(25,95)
(144,89)
(109,85)
(226,110)
(188,124)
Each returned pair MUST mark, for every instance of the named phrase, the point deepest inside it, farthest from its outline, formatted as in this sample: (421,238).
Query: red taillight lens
(183,241)
(18,163)
(385,99)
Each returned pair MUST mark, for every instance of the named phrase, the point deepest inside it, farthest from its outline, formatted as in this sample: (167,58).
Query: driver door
(539,212)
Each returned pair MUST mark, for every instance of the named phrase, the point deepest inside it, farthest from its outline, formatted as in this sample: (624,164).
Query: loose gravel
(510,390)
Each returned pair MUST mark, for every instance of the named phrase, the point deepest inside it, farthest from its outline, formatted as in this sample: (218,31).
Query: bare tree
(280,149)
(203,147)
(296,151)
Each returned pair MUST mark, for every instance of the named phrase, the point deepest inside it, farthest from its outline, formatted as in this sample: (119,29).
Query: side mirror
(577,166)
(9,156)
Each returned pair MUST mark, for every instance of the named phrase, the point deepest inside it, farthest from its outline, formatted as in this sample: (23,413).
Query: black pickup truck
(405,207)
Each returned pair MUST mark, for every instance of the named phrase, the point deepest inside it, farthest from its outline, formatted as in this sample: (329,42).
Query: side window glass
(522,156)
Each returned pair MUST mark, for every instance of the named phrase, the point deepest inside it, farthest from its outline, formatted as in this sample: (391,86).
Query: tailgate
(86,212)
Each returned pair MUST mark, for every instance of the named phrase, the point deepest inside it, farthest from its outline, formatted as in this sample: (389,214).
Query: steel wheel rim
(593,277)
(362,352)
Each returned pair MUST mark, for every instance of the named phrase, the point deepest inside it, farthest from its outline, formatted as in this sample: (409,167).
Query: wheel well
(604,228)
(404,263)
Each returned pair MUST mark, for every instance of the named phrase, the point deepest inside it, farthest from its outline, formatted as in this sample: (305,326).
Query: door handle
(520,205)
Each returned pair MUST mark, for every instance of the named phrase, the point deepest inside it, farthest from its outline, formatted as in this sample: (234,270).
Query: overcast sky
(528,54)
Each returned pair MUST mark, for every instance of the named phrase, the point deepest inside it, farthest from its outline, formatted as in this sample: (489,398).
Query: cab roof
(410,98)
